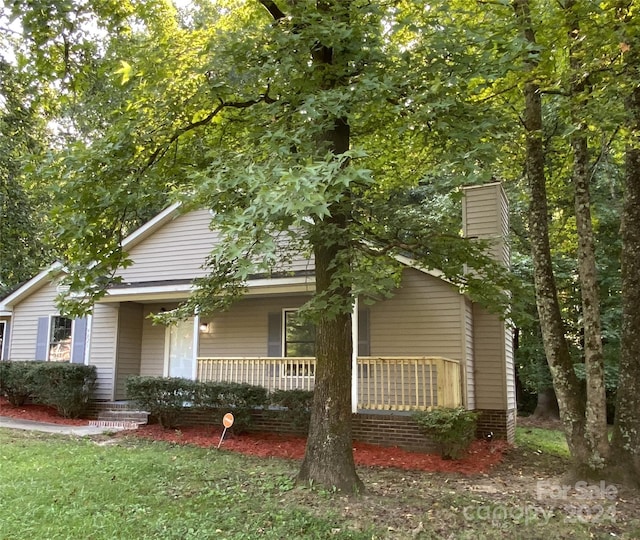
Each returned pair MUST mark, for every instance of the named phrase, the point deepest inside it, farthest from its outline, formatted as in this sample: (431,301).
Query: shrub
(241,399)
(16,381)
(163,397)
(67,387)
(297,404)
(451,429)
(167,398)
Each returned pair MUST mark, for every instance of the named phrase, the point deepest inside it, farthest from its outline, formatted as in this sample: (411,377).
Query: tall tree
(22,210)
(297,123)
(626,433)
(570,400)
(595,414)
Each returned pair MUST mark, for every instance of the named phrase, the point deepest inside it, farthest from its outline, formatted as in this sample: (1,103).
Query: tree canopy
(342,130)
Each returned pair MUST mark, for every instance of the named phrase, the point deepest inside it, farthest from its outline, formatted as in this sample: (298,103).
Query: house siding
(489,339)
(24,331)
(129,345)
(485,215)
(469,353)
(422,318)
(178,250)
(243,330)
(240,332)
(175,251)
(510,369)
(102,353)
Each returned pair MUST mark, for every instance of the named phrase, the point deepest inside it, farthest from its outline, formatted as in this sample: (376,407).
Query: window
(299,335)
(60,340)
(299,341)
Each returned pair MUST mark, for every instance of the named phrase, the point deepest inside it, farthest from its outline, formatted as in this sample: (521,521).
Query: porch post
(354,357)
(196,345)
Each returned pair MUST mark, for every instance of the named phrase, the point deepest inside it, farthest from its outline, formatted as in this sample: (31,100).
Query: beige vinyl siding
(178,250)
(102,354)
(24,328)
(175,251)
(240,332)
(486,215)
(153,342)
(469,363)
(129,345)
(489,341)
(510,366)
(421,319)
(243,330)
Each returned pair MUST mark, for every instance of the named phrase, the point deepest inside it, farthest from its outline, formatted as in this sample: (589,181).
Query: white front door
(180,350)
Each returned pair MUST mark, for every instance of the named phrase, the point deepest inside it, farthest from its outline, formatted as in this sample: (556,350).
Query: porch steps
(121,418)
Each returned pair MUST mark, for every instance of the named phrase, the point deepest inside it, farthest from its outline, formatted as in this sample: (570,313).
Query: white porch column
(354,357)
(196,345)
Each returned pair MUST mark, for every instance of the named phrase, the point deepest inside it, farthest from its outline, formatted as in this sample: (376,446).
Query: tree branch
(162,149)
(273,9)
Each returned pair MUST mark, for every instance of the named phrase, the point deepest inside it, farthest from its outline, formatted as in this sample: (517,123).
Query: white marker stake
(227,422)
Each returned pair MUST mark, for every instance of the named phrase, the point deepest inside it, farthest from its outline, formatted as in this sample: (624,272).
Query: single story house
(427,345)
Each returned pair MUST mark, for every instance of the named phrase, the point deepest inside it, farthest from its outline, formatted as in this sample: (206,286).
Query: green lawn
(54,487)
(546,441)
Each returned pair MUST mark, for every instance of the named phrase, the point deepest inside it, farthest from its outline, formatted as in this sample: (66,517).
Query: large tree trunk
(566,384)
(328,459)
(626,432)
(596,403)
(547,405)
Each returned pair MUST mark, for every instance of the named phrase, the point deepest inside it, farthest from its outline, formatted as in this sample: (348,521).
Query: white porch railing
(384,383)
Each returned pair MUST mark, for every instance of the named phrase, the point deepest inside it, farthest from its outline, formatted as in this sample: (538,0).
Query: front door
(181,356)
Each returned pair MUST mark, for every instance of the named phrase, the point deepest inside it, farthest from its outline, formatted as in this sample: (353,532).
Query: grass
(57,488)
(546,441)
(54,487)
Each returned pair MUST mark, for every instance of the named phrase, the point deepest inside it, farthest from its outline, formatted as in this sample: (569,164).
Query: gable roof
(137,236)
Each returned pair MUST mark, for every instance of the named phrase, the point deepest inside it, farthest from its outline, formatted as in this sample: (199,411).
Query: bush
(16,381)
(67,387)
(297,404)
(168,398)
(241,399)
(451,429)
(163,397)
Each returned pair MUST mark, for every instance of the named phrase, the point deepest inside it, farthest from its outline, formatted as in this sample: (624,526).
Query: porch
(379,383)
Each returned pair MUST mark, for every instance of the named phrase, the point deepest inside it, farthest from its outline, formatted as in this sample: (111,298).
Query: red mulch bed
(479,459)
(37,413)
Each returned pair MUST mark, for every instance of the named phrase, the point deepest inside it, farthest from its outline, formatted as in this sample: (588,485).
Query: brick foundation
(501,423)
(381,428)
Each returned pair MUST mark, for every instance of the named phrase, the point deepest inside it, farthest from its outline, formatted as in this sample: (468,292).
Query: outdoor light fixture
(205,327)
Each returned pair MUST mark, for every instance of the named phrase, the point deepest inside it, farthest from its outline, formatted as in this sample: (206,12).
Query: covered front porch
(405,356)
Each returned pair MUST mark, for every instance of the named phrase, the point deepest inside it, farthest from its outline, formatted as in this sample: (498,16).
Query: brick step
(119,424)
(123,415)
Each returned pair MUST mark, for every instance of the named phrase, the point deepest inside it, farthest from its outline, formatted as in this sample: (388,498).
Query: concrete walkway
(78,431)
